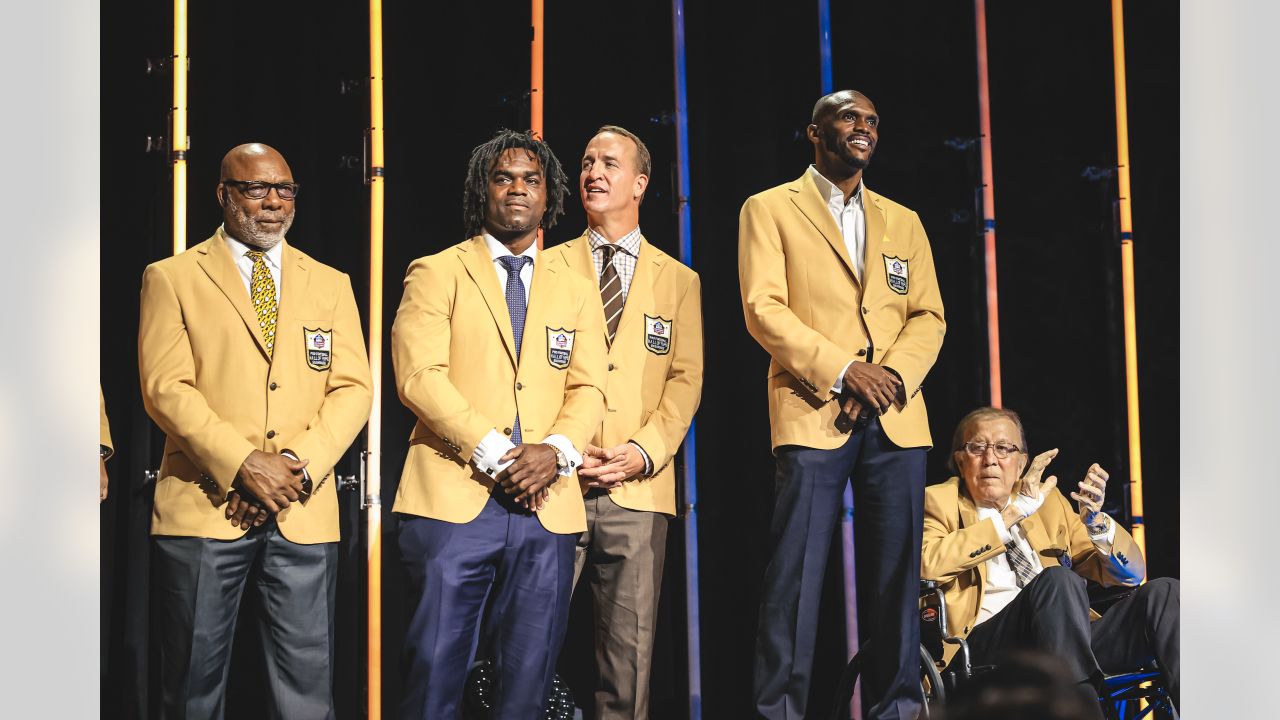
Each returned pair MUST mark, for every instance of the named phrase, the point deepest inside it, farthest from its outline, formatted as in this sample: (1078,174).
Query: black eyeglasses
(1002,450)
(257,190)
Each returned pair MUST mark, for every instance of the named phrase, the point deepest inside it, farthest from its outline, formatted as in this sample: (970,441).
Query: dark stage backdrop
(294,77)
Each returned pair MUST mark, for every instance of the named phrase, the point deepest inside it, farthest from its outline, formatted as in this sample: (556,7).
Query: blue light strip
(690,467)
(824,45)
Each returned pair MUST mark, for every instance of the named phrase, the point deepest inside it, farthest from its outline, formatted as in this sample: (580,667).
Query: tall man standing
(838,286)
(499,352)
(652,306)
(252,361)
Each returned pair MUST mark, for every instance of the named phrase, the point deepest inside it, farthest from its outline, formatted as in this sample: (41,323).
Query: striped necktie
(611,291)
(263,289)
(1021,565)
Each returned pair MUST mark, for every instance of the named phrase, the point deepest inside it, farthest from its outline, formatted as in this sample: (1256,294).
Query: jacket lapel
(216,260)
(875,237)
(808,199)
(541,295)
(479,265)
(294,278)
(640,294)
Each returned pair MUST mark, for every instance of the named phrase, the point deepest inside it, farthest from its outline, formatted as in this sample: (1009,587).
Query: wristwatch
(562,462)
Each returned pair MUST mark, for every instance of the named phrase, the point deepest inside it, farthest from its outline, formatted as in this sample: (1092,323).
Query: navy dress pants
(888,503)
(503,560)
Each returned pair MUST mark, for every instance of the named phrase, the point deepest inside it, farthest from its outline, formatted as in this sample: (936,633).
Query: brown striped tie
(611,291)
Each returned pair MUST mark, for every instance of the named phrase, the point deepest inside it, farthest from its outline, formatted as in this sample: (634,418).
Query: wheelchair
(1122,696)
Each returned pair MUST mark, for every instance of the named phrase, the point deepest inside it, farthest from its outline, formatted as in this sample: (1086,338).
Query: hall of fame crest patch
(559,347)
(319,346)
(895,273)
(657,335)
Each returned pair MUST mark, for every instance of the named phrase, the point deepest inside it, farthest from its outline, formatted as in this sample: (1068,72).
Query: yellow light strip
(373,457)
(178,128)
(1126,276)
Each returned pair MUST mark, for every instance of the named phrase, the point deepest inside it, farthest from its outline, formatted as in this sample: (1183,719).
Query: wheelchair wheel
(931,686)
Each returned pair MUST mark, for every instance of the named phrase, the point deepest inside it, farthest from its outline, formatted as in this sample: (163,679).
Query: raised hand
(1093,491)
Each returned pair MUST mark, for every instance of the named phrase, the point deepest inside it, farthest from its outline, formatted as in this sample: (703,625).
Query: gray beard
(256,238)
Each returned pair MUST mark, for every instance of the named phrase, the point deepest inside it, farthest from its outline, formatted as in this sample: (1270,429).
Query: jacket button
(271,434)
(273,386)
(862,352)
(865,311)
(612,367)
(506,431)
(519,386)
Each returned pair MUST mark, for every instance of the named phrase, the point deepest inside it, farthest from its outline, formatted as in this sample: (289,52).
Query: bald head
(257,222)
(828,103)
(240,154)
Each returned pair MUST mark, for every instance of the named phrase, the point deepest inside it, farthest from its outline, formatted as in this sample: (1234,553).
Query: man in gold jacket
(499,352)
(252,361)
(838,286)
(1012,557)
(652,306)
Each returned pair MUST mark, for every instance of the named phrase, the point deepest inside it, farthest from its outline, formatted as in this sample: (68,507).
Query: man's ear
(642,183)
(221,193)
(812,133)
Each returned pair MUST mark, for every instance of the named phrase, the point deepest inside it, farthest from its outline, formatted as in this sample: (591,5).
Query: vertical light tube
(690,467)
(373,453)
(846,516)
(178,127)
(988,204)
(536,92)
(1126,279)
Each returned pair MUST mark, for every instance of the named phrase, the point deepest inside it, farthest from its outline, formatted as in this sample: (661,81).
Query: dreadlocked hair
(475,190)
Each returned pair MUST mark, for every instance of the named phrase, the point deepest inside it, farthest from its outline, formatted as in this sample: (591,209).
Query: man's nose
(273,199)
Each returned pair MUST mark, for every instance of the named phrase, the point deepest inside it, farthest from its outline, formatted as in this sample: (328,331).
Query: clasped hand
(610,467)
(868,388)
(530,474)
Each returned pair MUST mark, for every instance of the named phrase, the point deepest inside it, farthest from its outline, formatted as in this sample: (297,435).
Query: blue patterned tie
(515,308)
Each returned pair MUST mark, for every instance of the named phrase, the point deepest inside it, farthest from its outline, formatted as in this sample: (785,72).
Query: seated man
(1012,558)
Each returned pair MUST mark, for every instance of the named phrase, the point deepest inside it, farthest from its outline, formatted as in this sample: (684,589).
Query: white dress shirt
(851,218)
(494,445)
(245,264)
(1002,582)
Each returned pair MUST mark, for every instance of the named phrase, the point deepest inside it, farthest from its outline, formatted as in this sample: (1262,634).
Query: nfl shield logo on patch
(319,346)
(895,273)
(657,335)
(559,347)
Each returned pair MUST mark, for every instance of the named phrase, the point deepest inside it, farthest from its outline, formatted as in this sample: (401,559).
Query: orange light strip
(178,127)
(988,204)
(536,91)
(373,456)
(1126,279)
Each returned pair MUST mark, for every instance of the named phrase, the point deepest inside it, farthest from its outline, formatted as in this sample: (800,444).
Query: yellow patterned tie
(263,289)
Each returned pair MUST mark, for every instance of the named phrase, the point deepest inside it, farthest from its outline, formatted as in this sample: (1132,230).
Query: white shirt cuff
(1001,530)
(838,386)
(562,444)
(489,451)
(648,464)
(305,473)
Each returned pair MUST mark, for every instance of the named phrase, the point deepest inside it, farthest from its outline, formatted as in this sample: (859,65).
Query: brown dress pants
(622,552)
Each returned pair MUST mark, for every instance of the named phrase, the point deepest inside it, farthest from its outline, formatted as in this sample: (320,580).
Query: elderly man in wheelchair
(1011,557)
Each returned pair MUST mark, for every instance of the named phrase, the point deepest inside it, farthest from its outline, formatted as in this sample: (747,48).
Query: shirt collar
(238,249)
(498,250)
(630,243)
(831,192)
